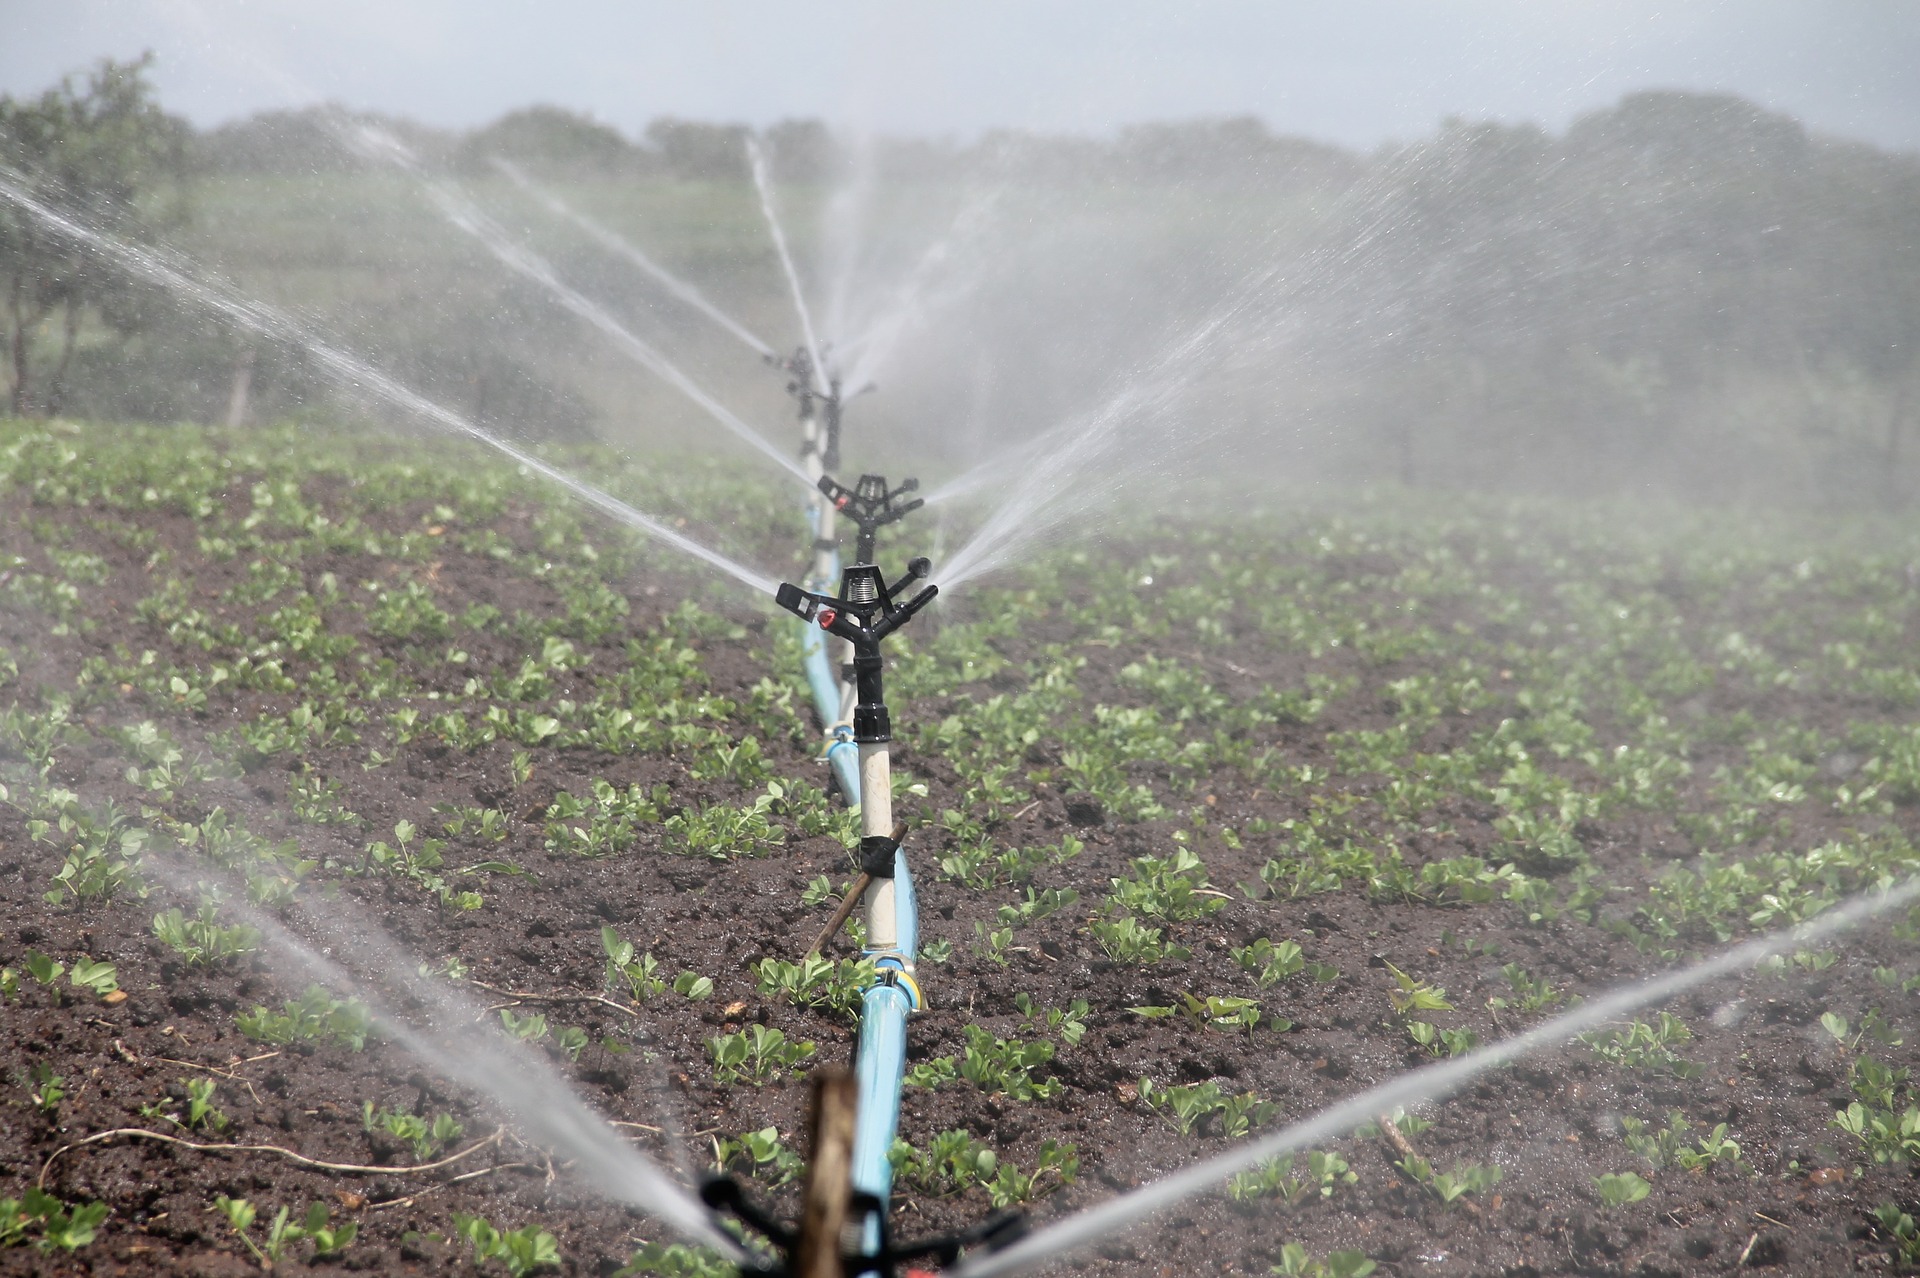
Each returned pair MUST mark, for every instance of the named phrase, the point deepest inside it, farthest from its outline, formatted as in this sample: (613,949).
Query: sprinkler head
(870,505)
(863,613)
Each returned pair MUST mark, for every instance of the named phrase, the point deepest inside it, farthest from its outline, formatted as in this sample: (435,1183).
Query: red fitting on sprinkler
(825,617)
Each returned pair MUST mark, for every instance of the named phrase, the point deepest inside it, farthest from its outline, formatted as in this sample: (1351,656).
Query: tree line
(1684,283)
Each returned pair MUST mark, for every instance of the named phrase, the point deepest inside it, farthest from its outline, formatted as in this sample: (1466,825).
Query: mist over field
(1232,639)
(1681,293)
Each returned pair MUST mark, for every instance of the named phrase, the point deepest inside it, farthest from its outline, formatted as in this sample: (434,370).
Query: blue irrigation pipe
(881,1061)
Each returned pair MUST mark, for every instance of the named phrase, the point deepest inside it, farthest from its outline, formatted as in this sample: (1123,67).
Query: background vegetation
(1682,292)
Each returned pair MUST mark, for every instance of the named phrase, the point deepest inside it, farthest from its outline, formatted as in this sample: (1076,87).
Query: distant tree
(802,151)
(553,137)
(700,151)
(97,149)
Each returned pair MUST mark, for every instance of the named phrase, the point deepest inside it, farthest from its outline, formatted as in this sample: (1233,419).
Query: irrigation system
(846,611)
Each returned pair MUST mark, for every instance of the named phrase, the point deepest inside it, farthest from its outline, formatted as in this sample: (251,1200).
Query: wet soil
(1768,1070)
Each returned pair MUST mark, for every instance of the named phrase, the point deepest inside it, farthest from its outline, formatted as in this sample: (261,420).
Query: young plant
(1531,994)
(200,939)
(521,1250)
(1271,963)
(1451,1186)
(1896,1225)
(763,1151)
(1411,995)
(425,1138)
(630,972)
(1127,940)
(817,982)
(313,1018)
(1645,1045)
(677,1260)
(1293,1180)
(757,1055)
(1618,1189)
(1297,1262)
(58,1226)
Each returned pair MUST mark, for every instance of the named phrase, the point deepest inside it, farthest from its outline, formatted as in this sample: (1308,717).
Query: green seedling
(522,1250)
(200,939)
(996,944)
(1644,1045)
(571,1041)
(1187,1107)
(1895,1225)
(627,972)
(1415,996)
(315,1017)
(1451,1186)
(1297,1262)
(954,1161)
(763,1152)
(43,969)
(1618,1189)
(1069,1023)
(1126,940)
(757,1055)
(425,1138)
(1294,1180)
(46,1090)
(1531,993)
(201,1111)
(50,1223)
(530,1028)
(1674,1145)
(677,1260)
(1171,889)
(817,982)
(1271,963)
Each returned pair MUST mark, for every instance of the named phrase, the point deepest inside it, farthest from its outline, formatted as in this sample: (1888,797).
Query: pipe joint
(890,970)
(871,725)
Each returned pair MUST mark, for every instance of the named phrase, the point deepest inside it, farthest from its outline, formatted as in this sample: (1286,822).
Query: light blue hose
(882,1058)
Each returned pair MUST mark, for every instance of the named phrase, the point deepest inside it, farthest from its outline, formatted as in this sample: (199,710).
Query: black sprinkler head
(871,505)
(863,613)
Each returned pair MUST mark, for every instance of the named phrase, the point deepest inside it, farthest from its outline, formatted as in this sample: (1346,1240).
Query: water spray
(626,249)
(352,372)
(1429,1083)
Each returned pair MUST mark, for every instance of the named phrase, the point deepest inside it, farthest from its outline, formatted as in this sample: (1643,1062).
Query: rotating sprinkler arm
(871,505)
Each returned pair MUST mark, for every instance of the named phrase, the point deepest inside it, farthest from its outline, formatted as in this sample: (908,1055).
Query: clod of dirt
(1084,810)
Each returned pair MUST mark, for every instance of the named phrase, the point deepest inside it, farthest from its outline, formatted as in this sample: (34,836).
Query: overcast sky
(1357,72)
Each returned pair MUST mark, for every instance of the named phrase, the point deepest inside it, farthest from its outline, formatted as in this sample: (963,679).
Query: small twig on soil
(1771,1221)
(362,1169)
(1391,1133)
(488,1171)
(521,996)
(1746,1251)
(1023,811)
(418,1194)
(657,1131)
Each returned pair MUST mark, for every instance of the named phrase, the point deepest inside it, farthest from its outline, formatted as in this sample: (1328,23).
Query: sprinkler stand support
(864,614)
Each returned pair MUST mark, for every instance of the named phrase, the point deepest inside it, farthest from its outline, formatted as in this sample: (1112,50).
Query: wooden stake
(823,1210)
(1390,1132)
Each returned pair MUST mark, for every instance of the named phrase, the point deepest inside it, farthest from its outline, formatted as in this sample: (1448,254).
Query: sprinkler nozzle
(863,613)
(870,504)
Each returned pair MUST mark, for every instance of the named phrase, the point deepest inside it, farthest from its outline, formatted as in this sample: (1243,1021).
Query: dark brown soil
(1769,1070)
